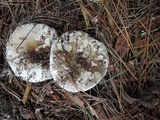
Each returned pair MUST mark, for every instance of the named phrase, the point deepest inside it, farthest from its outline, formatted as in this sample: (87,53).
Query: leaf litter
(131,32)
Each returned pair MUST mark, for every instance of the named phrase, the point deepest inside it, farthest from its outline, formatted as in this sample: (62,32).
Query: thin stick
(25,37)
(10,91)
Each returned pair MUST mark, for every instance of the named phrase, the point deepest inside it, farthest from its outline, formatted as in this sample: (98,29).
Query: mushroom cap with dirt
(78,62)
(28,50)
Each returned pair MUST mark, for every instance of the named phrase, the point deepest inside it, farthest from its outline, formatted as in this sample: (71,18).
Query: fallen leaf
(45,91)
(145,43)
(140,43)
(73,99)
(56,97)
(112,68)
(121,46)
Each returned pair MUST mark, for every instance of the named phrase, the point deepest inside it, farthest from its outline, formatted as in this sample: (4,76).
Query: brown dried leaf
(45,91)
(74,99)
(121,46)
(56,97)
(143,42)
(140,43)
(112,68)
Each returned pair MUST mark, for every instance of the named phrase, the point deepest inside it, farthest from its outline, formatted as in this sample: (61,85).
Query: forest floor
(130,29)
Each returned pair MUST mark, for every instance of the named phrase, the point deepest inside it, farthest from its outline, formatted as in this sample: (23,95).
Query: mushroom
(78,62)
(28,50)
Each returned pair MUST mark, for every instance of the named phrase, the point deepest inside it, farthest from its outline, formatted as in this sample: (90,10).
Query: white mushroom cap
(28,50)
(77,61)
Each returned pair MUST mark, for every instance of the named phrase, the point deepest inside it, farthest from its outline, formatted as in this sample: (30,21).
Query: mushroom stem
(26,93)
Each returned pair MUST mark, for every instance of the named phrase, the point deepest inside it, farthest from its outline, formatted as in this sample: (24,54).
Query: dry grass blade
(117,94)
(93,111)
(84,12)
(116,56)
(111,20)
(10,91)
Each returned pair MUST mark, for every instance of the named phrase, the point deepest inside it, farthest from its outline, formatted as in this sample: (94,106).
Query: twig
(25,37)
(10,91)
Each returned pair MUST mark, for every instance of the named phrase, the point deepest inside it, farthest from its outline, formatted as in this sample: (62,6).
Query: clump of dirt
(40,56)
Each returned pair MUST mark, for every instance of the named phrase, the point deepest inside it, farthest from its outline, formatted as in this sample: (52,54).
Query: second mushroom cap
(77,61)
